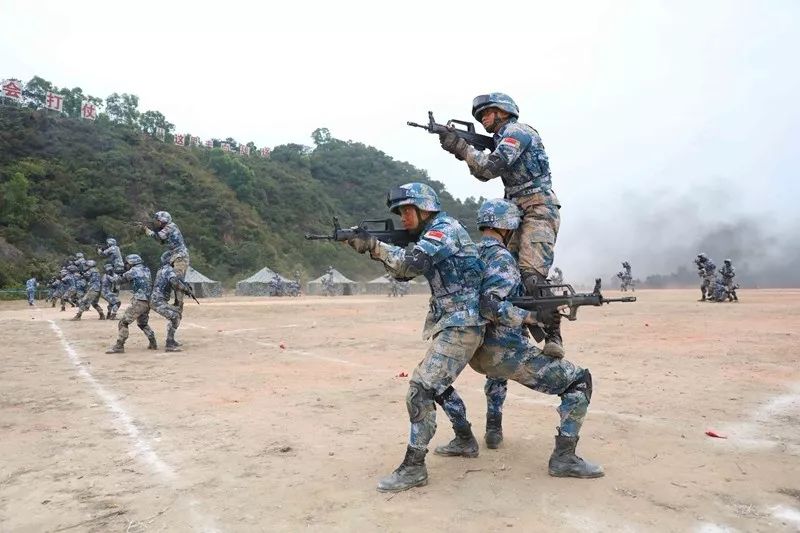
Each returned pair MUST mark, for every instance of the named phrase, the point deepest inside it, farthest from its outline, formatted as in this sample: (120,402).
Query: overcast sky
(662,120)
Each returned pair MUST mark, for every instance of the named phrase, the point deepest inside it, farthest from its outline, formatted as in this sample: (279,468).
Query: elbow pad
(418,261)
(494,166)
(490,306)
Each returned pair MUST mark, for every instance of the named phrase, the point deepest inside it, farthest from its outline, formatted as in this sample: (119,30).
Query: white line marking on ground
(750,434)
(707,527)
(788,514)
(192,325)
(142,449)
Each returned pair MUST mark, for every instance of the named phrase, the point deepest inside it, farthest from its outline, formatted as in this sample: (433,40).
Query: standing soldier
(167,281)
(507,353)
(168,233)
(521,162)
(30,289)
(90,298)
(113,254)
(558,276)
(55,290)
(142,285)
(728,273)
(110,291)
(67,286)
(447,257)
(709,278)
(328,285)
(700,262)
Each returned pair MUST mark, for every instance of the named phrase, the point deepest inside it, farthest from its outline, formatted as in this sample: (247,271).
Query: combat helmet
(108,267)
(417,194)
(163,217)
(498,100)
(79,255)
(702,256)
(91,263)
(498,213)
(133,259)
(111,241)
(165,257)
(727,261)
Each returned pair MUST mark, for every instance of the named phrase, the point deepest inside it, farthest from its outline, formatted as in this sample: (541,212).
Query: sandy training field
(281,415)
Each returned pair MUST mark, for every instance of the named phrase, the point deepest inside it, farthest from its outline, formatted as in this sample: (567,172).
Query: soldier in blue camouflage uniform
(508,353)
(448,258)
(521,162)
(75,286)
(168,233)
(30,289)
(165,283)
(67,286)
(727,273)
(141,285)
(92,295)
(54,292)
(109,290)
(701,261)
(113,254)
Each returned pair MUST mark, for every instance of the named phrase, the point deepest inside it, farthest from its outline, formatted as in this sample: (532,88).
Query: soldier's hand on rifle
(148,231)
(362,241)
(453,143)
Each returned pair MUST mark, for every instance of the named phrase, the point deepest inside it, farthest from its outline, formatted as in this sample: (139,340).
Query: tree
(123,109)
(321,136)
(16,206)
(35,92)
(150,120)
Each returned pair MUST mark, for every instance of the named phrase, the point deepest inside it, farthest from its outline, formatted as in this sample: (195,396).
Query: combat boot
(152,345)
(112,316)
(494,430)
(411,473)
(117,348)
(77,316)
(463,445)
(553,344)
(564,462)
(102,316)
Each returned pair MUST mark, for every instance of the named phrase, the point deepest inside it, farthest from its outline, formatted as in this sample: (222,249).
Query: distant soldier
(328,283)
(168,233)
(30,289)
(142,286)
(627,277)
(727,272)
(92,295)
(710,278)
(165,283)
(75,284)
(109,290)
(394,289)
(113,254)
(67,286)
(558,276)
(701,262)
(55,290)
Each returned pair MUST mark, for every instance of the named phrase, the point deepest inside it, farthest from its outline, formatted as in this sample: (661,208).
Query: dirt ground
(281,415)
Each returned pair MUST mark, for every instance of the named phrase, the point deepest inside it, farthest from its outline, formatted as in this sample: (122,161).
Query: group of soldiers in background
(626,278)
(280,287)
(716,286)
(80,283)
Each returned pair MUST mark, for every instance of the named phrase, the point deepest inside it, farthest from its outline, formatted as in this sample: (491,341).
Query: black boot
(410,473)
(152,345)
(494,430)
(564,462)
(463,445)
(117,348)
(553,344)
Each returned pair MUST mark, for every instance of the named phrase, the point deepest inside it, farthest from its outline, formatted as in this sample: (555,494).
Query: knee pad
(582,384)
(419,401)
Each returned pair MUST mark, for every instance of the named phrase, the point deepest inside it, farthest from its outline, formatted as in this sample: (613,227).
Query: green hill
(67,183)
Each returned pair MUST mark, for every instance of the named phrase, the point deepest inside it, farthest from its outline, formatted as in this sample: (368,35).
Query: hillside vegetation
(67,183)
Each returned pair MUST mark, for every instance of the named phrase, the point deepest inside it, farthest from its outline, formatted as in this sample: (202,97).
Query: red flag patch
(436,235)
(510,142)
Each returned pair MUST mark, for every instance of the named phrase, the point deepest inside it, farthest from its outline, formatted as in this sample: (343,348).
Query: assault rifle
(386,233)
(550,300)
(481,142)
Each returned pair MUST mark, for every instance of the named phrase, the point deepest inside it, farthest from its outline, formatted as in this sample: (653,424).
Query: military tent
(343,285)
(259,283)
(382,285)
(201,285)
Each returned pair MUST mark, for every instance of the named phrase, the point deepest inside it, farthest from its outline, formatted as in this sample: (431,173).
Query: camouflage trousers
(529,367)
(449,353)
(180,265)
(113,301)
(534,241)
(172,313)
(138,311)
(90,299)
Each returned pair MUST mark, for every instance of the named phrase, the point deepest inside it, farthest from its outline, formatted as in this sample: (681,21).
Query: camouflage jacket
(173,238)
(449,260)
(141,282)
(166,280)
(115,255)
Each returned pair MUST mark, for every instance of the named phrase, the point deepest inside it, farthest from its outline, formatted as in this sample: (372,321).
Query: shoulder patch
(434,234)
(511,142)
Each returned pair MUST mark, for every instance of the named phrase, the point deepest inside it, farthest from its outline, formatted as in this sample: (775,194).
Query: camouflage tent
(342,284)
(419,285)
(202,286)
(259,284)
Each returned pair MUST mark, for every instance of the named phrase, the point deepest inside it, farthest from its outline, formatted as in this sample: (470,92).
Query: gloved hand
(453,143)
(362,241)
(148,231)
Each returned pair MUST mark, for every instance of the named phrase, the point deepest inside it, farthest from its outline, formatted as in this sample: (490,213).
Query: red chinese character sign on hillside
(265,152)
(244,149)
(54,101)
(89,111)
(179,137)
(209,144)
(12,89)
(195,141)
